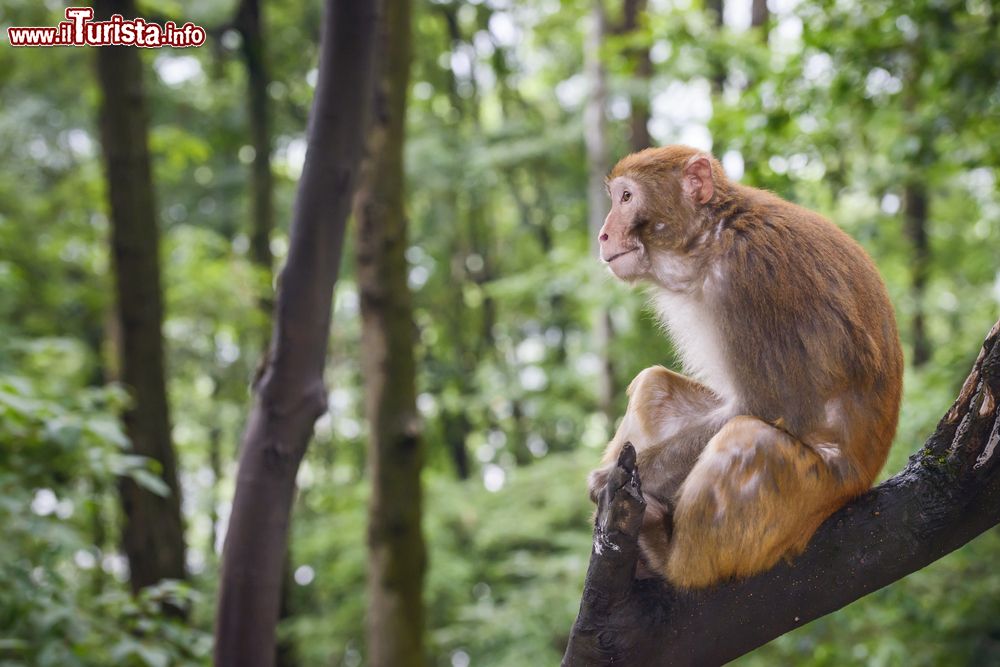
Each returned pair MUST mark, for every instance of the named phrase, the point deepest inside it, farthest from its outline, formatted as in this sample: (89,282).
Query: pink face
(621,247)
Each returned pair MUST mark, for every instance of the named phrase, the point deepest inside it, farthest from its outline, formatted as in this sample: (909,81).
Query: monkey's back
(810,328)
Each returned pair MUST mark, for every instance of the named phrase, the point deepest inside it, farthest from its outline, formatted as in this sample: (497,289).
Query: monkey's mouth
(620,254)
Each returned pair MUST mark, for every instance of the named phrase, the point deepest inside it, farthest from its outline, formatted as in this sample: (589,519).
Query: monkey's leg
(669,420)
(756,494)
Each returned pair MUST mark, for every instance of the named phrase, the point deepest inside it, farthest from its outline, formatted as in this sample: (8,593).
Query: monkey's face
(622,238)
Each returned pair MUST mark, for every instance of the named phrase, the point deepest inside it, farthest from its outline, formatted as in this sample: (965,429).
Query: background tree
(291,393)
(631,26)
(598,166)
(153,534)
(249,22)
(395,452)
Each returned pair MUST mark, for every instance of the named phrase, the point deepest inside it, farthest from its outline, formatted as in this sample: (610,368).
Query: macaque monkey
(793,359)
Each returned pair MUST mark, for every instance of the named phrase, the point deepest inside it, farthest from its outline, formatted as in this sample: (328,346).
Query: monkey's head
(657,200)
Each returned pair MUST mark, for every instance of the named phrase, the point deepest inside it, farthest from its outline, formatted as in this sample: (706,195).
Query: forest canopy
(476,354)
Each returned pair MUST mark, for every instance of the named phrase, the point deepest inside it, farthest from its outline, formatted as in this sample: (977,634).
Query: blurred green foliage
(63,450)
(839,109)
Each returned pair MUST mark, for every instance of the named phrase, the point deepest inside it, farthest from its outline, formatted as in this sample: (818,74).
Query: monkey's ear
(697,180)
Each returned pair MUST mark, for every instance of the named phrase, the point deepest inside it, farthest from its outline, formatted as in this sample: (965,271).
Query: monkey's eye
(626,196)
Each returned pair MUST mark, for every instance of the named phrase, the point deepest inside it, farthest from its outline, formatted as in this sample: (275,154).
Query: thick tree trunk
(153,535)
(291,393)
(395,456)
(595,130)
(947,495)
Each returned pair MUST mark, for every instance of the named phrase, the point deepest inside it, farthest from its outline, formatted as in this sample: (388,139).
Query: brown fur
(796,410)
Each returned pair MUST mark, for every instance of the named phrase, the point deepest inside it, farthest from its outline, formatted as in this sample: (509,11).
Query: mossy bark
(396,562)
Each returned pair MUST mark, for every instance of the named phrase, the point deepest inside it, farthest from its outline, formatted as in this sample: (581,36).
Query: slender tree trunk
(471,237)
(760,21)
(595,122)
(249,23)
(915,224)
(716,10)
(462,362)
(215,464)
(291,393)
(643,70)
(480,240)
(456,428)
(153,535)
(395,454)
(760,17)
(915,208)
(595,136)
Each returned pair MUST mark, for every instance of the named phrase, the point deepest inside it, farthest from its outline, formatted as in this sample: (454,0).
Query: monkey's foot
(620,504)
(654,539)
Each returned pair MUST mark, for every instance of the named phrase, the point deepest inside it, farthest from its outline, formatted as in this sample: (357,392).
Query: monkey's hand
(615,512)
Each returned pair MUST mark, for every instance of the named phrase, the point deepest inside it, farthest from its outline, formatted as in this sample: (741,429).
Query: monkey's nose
(604,237)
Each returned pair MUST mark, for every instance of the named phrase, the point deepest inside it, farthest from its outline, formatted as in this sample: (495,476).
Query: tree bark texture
(396,549)
(291,394)
(153,533)
(948,494)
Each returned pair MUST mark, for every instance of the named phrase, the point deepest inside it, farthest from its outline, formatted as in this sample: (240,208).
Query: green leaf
(149,481)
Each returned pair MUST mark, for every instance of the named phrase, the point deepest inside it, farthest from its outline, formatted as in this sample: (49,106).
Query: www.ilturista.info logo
(80,30)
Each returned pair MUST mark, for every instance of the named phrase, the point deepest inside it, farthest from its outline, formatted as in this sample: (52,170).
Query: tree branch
(948,494)
(290,392)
